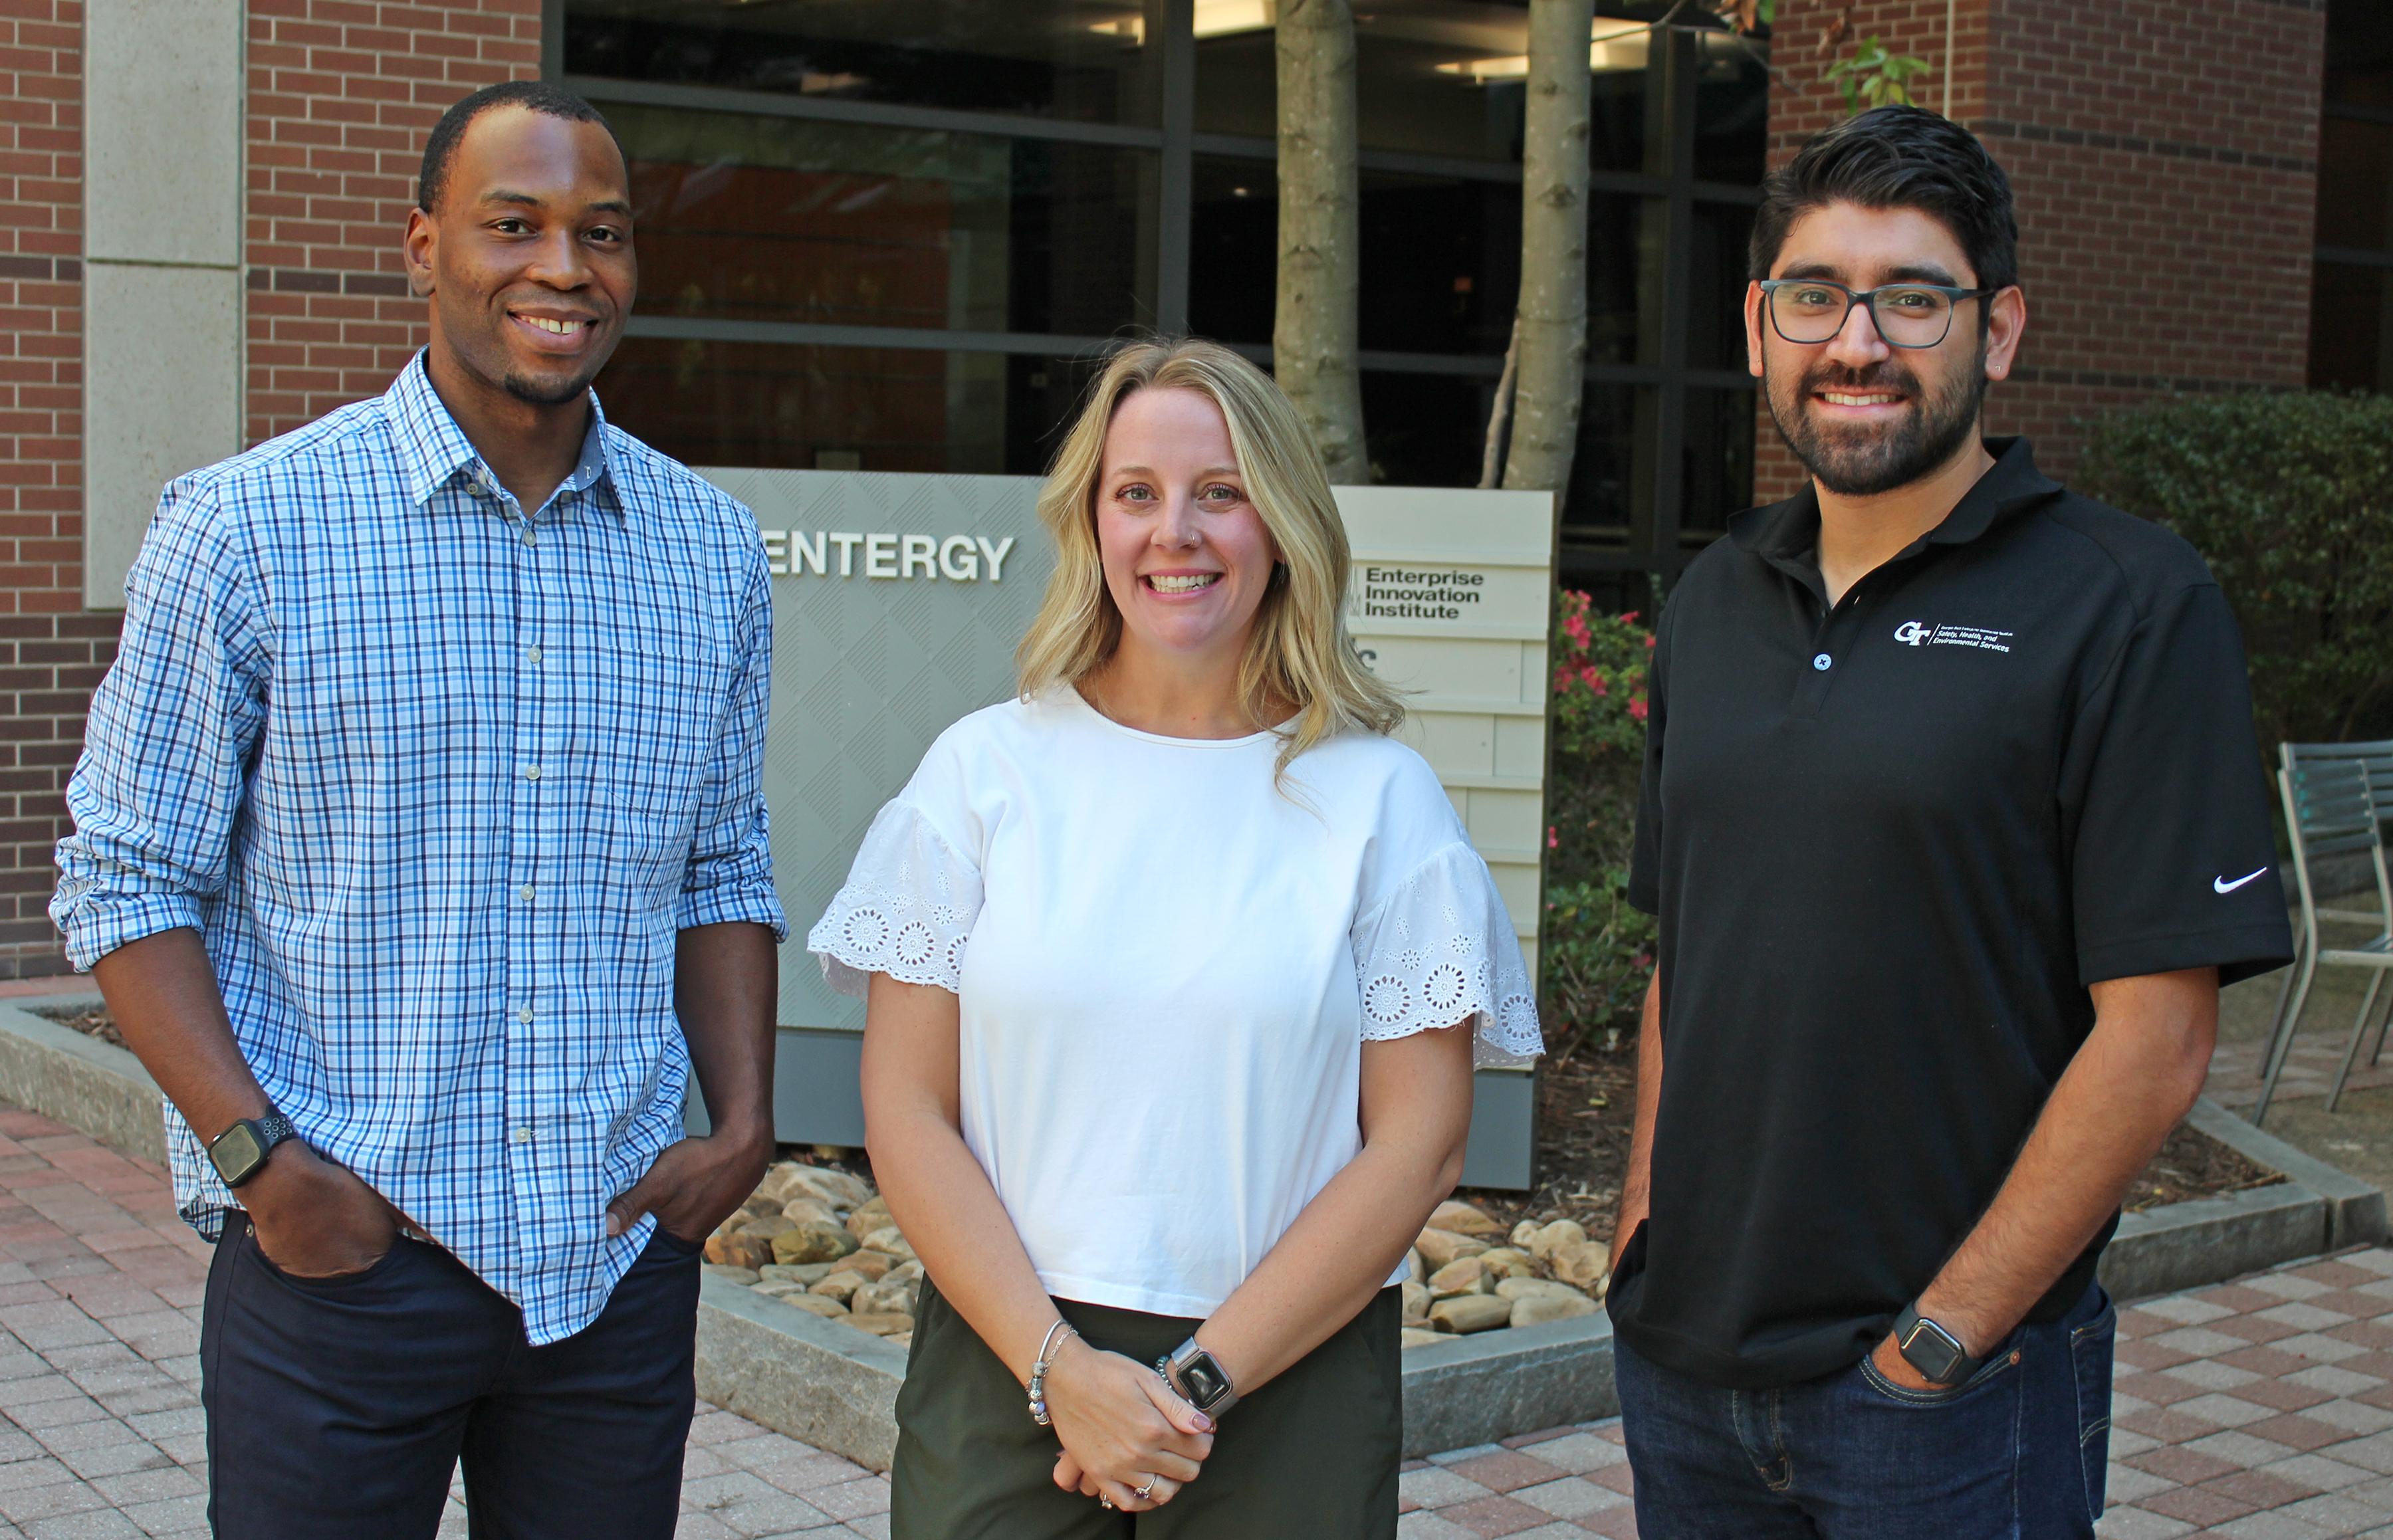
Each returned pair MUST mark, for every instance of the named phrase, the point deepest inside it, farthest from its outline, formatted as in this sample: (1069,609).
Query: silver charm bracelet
(1038,1370)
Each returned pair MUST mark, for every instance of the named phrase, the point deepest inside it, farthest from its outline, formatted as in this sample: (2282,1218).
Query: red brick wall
(341,95)
(2155,149)
(51,653)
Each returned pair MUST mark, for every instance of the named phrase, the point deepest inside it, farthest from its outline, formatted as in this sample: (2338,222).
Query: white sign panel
(898,599)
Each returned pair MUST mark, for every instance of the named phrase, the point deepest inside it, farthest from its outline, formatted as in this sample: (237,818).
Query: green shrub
(2290,498)
(1596,950)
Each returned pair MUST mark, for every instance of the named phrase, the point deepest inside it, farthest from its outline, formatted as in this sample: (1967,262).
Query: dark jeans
(2019,1452)
(338,1408)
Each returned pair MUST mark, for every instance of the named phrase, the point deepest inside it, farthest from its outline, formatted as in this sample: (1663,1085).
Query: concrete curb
(92,1087)
(836,1388)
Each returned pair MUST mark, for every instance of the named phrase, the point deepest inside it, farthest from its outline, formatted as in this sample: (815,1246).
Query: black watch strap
(1929,1348)
(240,1151)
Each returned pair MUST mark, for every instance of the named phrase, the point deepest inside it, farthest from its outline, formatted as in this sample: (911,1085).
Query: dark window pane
(2351,327)
(1233,249)
(1598,515)
(1732,111)
(1718,474)
(1425,430)
(891,408)
(1080,59)
(2356,185)
(1715,269)
(783,219)
(2360,53)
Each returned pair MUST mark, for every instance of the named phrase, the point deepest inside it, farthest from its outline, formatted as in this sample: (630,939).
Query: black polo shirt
(1891,844)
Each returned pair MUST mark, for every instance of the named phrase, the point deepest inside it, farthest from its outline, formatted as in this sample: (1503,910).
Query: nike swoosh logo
(2220,885)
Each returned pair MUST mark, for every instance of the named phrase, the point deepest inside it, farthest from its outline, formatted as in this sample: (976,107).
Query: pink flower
(1553,841)
(1637,707)
(1649,639)
(1594,679)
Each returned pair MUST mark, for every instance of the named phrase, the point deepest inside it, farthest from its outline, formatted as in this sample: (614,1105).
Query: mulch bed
(1584,1106)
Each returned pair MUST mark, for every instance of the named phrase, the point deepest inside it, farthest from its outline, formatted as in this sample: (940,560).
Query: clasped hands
(1123,1428)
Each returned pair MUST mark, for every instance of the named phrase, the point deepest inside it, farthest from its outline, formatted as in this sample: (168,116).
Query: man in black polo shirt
(1954,823)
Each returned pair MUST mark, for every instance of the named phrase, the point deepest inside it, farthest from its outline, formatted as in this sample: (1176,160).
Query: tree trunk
(1552,322)
(1314,329)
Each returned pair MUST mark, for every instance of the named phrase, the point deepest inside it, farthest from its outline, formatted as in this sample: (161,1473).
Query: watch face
(237,1153)
(1203,1381)
(1933,1353)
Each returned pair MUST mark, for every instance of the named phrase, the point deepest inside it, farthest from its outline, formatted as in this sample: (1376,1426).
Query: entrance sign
(898,599)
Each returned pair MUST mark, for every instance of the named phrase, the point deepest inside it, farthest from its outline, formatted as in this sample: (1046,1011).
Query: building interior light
(1623,48)
(1214,19)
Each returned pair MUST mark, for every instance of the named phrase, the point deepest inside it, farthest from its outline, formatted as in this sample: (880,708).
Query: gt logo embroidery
(1912,634)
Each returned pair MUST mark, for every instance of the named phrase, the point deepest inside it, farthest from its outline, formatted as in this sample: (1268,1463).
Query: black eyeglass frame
(1867,300)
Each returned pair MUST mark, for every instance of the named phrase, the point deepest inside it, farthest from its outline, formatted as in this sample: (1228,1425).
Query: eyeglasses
(1809,311)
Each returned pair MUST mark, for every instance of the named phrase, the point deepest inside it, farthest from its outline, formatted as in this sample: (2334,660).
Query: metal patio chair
(2331,808)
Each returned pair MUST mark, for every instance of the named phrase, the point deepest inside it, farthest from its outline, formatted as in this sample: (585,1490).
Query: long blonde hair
(1297,649)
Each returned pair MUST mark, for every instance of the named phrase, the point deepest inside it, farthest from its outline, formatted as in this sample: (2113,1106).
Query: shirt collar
(433,451)
(1789,531)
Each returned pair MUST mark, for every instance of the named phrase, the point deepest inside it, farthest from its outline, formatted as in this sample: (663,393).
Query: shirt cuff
(99,924)
(2237,951)
(731,903)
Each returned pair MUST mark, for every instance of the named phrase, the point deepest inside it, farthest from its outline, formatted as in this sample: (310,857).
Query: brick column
(2158,153)
(341,96)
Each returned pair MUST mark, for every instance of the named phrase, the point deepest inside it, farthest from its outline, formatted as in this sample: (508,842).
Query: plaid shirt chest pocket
(660,710)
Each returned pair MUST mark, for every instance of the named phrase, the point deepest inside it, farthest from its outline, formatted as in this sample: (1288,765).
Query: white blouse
(1166,965)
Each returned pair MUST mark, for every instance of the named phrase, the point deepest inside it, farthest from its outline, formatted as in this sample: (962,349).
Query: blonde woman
(1175,965)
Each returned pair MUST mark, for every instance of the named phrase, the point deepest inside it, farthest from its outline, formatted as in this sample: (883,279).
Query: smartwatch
(1929,1348)
(1196,1375)
(240,1151)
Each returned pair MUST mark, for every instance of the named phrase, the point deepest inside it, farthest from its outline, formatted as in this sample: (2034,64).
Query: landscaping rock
(1463,1275)
(773,1288)
(1544,1239)
(874,1265)
(889,1241)
(868,1218)
(812,1243)
(840,1286)
(881,1325)
(766,1226)
(808,1210)
(836,1188)
(811,1273)
(815,1304)
(1530,1288)
(735,1274)
(904,1273)
(1415,1268)
(1472,1313)
(1417,1337)
(1506,1261)
(1463,1220)
(1583,1263)
(1539,1308)
(1417,1303)
(886,1299)
(749,1251)
(1438,1248)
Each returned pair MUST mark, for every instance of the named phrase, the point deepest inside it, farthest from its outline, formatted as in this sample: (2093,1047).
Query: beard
(550,392)
(1863,461)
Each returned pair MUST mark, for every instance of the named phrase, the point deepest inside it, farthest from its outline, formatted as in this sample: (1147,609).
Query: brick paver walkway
(2261,1409)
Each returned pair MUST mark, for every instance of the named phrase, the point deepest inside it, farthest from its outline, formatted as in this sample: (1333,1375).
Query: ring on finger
(1106,1501)
(1146,1493)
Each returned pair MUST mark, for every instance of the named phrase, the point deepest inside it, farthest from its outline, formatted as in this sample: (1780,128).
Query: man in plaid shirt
(420,851)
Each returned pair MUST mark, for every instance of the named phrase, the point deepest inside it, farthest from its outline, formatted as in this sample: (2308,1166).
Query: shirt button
(531,539)
(526,889)
(532,655)
(531,772)
(522,1135)
(1821,662)
(524,1016)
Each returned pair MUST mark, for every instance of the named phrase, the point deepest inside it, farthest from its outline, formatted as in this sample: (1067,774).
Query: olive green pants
(1311,1455)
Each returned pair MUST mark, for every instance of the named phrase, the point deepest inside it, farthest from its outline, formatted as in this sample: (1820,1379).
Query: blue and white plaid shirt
(439,784)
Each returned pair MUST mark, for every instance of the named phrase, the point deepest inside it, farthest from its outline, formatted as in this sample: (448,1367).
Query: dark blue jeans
(339,1407)
(2018,1452)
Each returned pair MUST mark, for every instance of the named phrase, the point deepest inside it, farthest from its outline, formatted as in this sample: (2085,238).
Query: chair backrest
(2330,810)
(2375,756)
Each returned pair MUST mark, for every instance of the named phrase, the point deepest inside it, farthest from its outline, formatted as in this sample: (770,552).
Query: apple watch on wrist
(1200,1381)
(240,1151)
(1932,1349)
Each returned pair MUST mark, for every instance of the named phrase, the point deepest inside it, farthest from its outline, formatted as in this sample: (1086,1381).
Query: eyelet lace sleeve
(907,909)
(1440,949)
